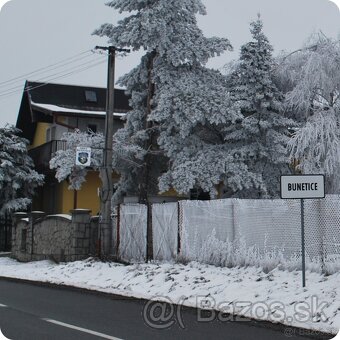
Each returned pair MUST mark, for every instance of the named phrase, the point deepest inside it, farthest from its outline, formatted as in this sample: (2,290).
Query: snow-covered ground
(277,296)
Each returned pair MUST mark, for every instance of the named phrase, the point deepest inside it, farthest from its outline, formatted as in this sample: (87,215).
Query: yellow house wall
(87,197)
(172,193)
(66,198)
(40,134)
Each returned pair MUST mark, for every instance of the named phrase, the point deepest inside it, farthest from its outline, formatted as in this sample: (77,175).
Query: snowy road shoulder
(277,296)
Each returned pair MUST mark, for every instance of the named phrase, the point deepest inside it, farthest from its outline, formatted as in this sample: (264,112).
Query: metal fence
(165,234)
(5,233)
(235,232)
(132,232)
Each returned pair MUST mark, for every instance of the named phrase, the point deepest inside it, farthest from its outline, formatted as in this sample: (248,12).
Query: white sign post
(301,187)
(83,156)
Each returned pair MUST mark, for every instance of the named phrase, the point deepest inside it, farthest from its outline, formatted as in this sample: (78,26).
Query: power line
(32,74)
(45,78)
(45,67)
(5,95)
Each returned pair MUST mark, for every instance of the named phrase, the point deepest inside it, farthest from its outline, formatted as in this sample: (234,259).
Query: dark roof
(73,97)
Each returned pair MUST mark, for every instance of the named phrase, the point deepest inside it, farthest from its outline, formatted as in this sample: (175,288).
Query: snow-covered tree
(196,110)
(179,107)
(63,162)
(261,136)
(315,148)
(312,75)
(18,179)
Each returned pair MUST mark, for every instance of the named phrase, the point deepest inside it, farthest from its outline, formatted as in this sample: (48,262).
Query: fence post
(5,232)
(322,229)
(118,229)
(149,243)
(179,227)
(233,228)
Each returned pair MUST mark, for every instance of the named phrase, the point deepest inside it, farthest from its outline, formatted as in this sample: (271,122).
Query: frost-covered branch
(64,160)
(313,75)
(18,179)
(124,153)
(316,147)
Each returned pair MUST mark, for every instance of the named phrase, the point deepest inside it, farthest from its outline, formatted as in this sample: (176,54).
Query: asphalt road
(33,312)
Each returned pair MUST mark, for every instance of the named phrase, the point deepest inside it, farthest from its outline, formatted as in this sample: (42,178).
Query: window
(51,134)
(91,96)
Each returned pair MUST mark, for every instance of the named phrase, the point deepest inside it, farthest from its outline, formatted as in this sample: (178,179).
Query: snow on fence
(261,232)
(231,232)
(323,227)
(269,224)
(199,219)
(132,232)
(165,231)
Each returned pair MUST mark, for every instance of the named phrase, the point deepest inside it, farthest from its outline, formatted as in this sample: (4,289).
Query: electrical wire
(46,81)
(44,68)
(17,87)
(42,72)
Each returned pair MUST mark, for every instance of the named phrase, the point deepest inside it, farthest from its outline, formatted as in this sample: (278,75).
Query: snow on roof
(61,109)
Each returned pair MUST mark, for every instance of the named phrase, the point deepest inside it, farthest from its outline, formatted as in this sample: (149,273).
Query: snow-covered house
(46,112)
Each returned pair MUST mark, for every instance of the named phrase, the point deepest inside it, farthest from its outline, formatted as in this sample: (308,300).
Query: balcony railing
(42,154)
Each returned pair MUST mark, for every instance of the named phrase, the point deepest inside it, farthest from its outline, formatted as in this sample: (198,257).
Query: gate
(132,231)
(5,233)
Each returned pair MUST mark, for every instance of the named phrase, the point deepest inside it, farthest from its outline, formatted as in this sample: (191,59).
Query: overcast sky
(39,33)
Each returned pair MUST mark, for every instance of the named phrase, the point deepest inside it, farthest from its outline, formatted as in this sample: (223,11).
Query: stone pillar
(81,220)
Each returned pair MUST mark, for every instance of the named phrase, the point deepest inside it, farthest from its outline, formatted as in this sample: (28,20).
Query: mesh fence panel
(133,231)
(314,228)
(269,224)
(323,227)
(272,227)
(165,231)
(211,231)
(199,219)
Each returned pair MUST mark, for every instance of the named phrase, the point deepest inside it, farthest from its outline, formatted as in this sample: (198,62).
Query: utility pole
(144,190)
(105,235)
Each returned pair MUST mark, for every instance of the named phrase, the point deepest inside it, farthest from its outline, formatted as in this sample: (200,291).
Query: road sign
(302,186)
(83,156)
